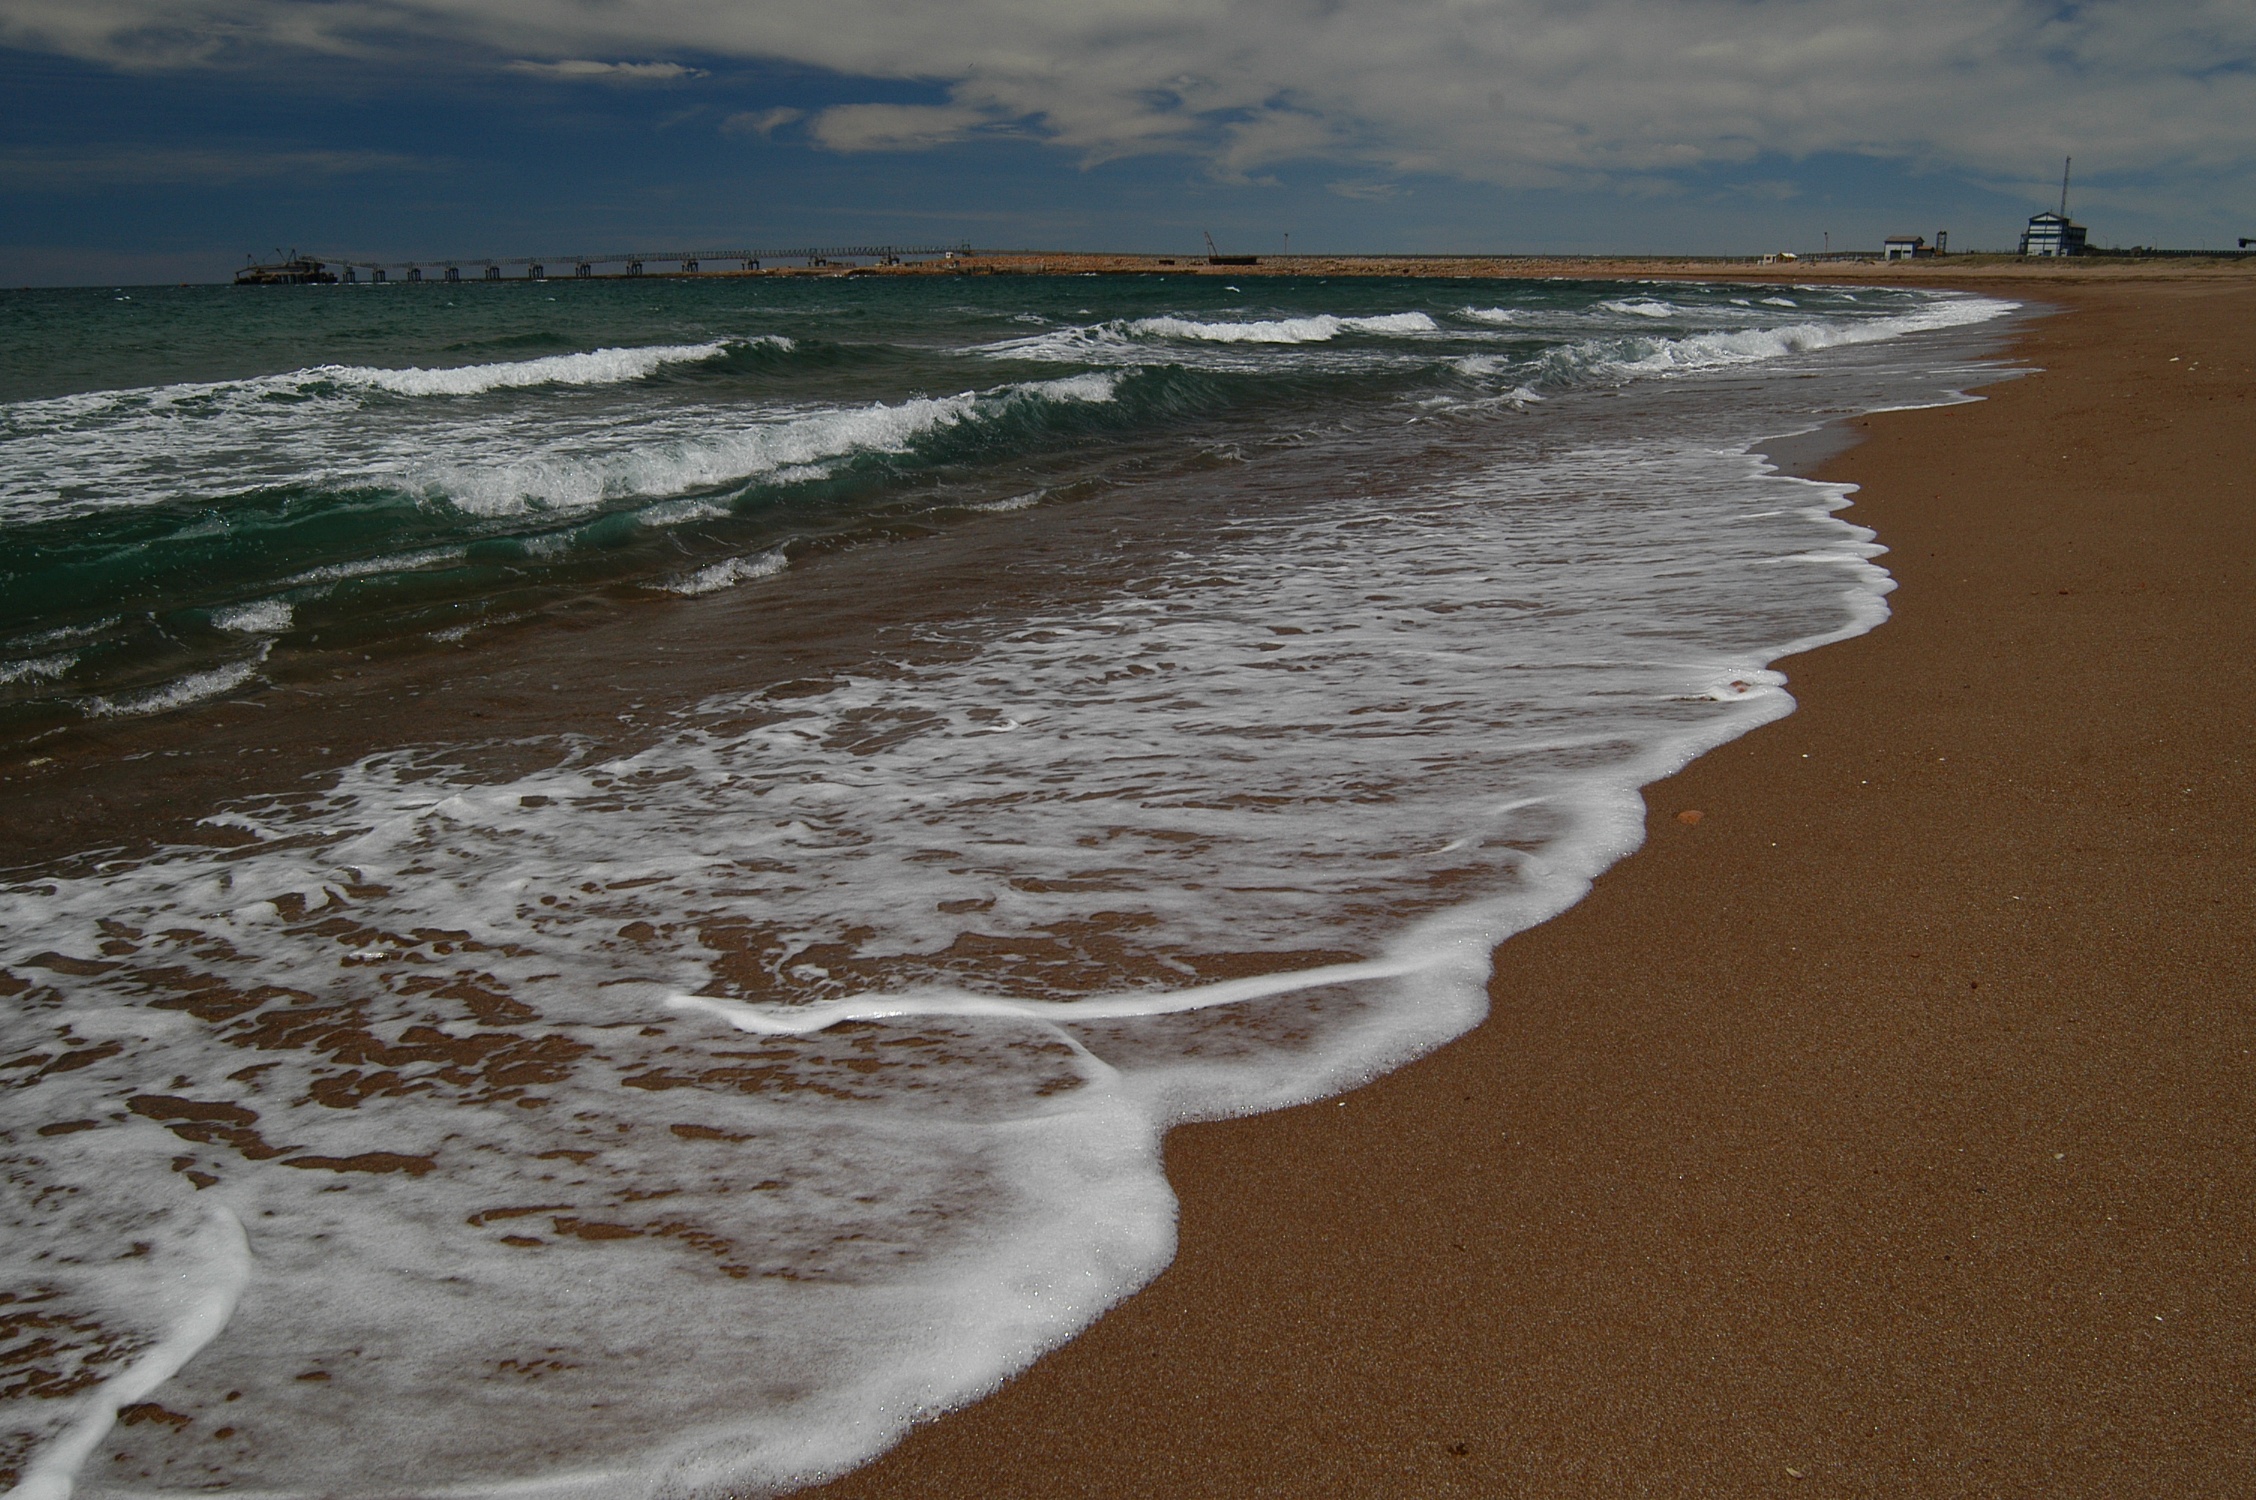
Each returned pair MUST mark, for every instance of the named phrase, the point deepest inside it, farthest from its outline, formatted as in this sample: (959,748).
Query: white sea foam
(199,1294)
(193,687)
(1026,501)
(37,668)
(1169,339)
(396,562)
(1312,330)
(1716,348)
(268,616)
(76,454)
(727,573)
(1016,857)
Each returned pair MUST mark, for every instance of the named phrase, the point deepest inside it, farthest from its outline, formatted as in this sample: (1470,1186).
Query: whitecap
(597,367)
(1320,328)
(263,616)
(727,573)
(666,464)
(195,687)
(37,667)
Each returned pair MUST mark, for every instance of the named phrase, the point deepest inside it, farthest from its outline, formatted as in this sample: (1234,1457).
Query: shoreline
(139,774)
(1881,1131)
(1987,267)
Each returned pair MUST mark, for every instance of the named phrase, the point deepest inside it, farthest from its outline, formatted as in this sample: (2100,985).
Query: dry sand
(1890,1130)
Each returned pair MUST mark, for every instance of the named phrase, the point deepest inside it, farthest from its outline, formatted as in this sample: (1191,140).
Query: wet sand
(1888,1129)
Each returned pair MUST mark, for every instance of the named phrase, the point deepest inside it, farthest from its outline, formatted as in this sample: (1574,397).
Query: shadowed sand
(1888,1130)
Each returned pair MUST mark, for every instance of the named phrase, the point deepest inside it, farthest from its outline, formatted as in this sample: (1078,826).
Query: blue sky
(151,141)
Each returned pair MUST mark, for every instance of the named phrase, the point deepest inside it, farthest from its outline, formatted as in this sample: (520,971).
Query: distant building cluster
(2049,233)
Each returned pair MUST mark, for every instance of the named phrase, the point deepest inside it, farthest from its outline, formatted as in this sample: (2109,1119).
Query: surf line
(805,1020)
(227,1267)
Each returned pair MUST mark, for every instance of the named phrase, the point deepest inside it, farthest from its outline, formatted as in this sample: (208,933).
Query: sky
(163,140)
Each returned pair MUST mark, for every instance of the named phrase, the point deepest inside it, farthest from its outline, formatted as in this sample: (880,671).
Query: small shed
(1905,247)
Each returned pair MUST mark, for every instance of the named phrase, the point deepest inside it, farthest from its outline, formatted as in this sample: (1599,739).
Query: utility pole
(2065,163)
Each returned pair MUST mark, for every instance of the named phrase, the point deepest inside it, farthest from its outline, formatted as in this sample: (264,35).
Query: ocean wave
(1139,339)
(1321,328)
(195,687)
(1615,358)
(596,367)
(366,567)
(593,367)
(727,574)
(1643,308)
(772,448)
(37,668)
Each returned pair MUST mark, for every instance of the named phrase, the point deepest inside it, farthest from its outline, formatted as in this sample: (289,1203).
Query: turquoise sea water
(192,477)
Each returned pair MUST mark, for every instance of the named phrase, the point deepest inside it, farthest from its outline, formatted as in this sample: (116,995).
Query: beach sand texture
(1889,1129)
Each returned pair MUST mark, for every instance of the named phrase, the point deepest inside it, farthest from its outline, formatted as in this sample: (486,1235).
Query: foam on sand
(874,1222)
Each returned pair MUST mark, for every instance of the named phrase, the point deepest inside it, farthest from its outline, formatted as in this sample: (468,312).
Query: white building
(2052,233)
(1905,247)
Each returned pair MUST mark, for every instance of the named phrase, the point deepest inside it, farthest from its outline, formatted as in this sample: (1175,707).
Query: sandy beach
(1882,1128)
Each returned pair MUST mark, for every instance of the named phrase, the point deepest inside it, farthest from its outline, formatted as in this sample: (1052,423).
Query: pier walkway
(630,263)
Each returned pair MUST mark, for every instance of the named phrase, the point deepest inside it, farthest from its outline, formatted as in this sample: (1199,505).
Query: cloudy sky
(163,139)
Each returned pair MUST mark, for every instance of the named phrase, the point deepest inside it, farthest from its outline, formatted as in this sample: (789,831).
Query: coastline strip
(1884,1127)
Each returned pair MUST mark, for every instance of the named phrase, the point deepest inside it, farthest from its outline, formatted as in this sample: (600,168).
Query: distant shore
(1985,268)
(1881,1128)
(1980,267)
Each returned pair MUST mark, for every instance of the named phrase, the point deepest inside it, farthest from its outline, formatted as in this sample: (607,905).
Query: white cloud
(894,127)
(763,122)
(1574,93)
(577,69)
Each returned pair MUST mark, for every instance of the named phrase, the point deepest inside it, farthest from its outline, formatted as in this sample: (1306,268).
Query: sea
(614,884)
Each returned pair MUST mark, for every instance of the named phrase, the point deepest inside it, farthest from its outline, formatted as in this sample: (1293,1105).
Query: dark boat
(1215,257)
(298,270)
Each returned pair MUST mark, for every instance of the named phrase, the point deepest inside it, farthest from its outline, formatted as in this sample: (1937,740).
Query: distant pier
(617,265)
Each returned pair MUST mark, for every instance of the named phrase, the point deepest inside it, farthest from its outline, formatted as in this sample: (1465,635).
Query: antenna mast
(2065,163)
